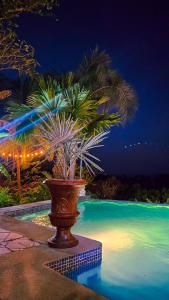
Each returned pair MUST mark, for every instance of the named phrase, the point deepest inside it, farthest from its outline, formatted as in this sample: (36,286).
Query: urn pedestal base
(61,242)
(63,238)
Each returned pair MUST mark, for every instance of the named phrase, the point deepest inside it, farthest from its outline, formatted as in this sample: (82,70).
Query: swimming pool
(135,241)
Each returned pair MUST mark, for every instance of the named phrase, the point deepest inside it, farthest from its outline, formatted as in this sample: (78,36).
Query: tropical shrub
(39,193)
(106,189)
(129,189)
(4,171)
(5,197)
(151,195)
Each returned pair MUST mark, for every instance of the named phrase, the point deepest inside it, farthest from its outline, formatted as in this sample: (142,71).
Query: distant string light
(133,145)
(138,144)
(25,155)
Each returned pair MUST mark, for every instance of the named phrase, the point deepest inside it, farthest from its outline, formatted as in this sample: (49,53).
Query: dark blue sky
(136,35)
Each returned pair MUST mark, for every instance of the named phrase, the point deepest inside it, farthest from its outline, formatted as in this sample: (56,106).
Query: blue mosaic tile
(81,269)
(75,261)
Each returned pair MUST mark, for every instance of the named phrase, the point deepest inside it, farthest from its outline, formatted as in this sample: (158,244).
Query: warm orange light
(5,94)
(24,155)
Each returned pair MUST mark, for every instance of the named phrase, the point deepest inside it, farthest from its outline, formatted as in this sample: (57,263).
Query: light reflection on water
(135,241)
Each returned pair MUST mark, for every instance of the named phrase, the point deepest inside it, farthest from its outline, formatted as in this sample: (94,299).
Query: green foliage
(10,9)
(15,54)
(4,171)
(47,175)
(115,188)
(29,195)
(96,74)
(5,197)
(152,195)
(47,97)
(16,197)
(106,189)
(36,194)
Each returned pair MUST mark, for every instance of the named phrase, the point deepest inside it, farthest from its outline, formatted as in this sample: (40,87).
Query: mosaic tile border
(70,263)
(81,269)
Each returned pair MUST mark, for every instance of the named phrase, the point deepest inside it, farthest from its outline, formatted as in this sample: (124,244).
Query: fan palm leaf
(96,74)
(48,96)
(79,105)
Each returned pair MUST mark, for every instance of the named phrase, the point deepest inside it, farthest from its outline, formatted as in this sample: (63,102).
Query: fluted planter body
(64,212)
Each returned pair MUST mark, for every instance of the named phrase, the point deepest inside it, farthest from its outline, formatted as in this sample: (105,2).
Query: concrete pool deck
(24,274)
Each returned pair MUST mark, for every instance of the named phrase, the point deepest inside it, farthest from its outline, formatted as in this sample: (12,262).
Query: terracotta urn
(64,212)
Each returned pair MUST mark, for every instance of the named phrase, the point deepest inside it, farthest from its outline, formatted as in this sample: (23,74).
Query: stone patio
(12,241)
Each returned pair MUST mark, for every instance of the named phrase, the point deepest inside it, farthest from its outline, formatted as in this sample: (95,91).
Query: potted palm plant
(63,143)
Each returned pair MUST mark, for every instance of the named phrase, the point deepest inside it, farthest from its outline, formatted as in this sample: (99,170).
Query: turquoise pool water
(135,241)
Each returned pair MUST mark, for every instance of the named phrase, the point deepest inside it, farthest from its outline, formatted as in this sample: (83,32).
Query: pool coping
(18,210)
(21,209)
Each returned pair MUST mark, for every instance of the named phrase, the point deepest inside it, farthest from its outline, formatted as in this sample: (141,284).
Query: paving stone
(13,236)
(13,241)
(20,244)
(3,244)
(4,236)
(9,236)
(3,230)
(15,245)
(25,242)
(4,250)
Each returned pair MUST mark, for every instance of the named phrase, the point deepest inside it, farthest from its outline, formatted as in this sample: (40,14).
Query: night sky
(136,35)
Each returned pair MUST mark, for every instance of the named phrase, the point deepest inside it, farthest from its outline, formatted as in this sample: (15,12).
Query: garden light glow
(28,155)
(5,94)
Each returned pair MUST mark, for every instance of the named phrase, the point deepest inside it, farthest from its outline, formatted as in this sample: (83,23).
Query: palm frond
(56,130)
(102,122)
(16,110)
(126,101)
(48,96)
(61,136)
(96,74)
(85,156)
(79,105)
